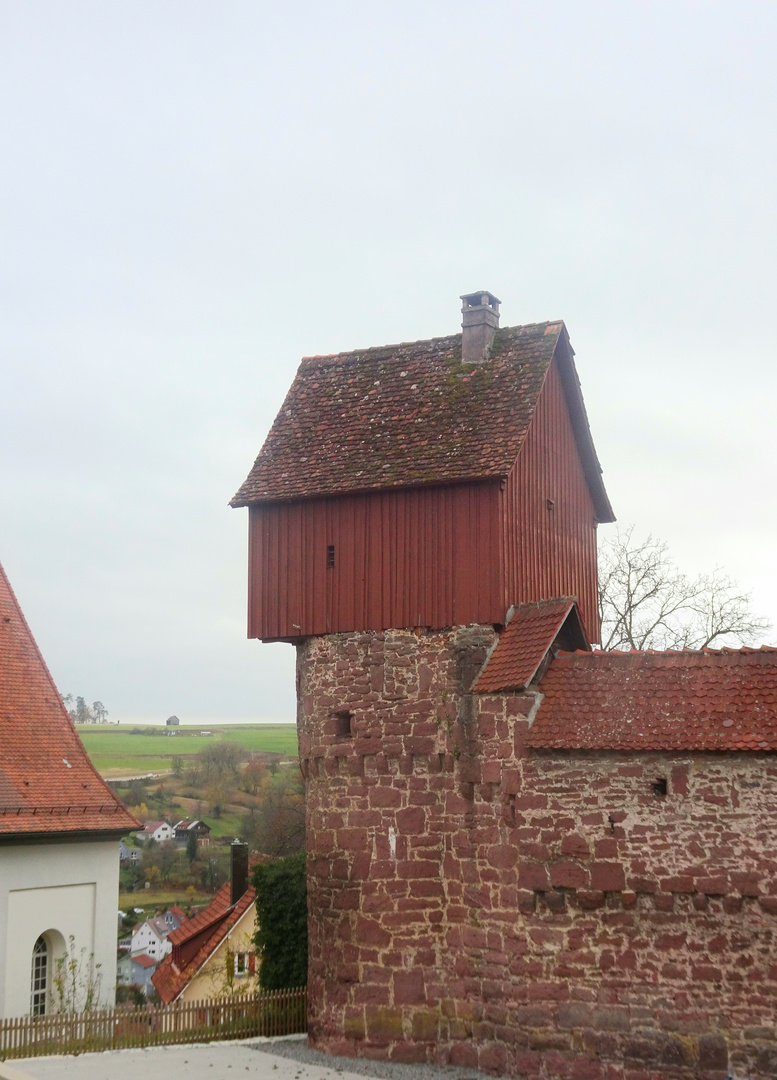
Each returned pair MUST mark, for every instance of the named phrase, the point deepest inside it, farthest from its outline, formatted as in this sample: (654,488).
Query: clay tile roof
(47,783)
(523,645)
(144,960)
(413,414)
(709,700)
(205,932)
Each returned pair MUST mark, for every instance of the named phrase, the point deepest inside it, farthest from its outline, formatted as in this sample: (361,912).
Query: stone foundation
(548,915)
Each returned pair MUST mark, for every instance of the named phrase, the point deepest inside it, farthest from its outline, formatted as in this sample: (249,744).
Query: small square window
(344,724)
(330,556)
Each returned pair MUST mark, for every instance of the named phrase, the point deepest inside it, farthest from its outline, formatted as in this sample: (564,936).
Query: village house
(152,937)
(182,830)
(213,953)
(59,826)
(127,854)
(173,917)
(158,831)
(136,969)
(525,855)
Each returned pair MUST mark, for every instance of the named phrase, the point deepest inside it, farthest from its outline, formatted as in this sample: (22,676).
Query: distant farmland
(123,751)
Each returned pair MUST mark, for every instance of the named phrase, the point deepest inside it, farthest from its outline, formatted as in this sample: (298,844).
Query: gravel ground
(298,1050)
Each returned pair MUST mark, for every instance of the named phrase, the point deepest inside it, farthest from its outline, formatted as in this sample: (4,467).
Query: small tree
(191,846)
(281,936)
(76,981)
(153,876)
(83,712)
(99,712)
(168,857)
(277,826)
(647,603)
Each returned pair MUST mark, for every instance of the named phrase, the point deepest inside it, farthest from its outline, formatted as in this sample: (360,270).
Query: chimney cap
(481,298)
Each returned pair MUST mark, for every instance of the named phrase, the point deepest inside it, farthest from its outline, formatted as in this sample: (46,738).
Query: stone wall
(547,915)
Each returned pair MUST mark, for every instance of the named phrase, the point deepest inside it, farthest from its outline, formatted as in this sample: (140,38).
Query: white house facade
(59,827)
(155,830)
(55,891)
(151,937)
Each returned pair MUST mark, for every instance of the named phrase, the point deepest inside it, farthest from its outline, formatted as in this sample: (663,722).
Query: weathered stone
(536,914)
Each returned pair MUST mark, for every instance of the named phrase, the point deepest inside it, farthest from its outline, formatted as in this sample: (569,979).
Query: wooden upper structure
(403,487)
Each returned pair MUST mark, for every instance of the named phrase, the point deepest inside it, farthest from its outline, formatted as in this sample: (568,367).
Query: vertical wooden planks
(421,557)
(550,534)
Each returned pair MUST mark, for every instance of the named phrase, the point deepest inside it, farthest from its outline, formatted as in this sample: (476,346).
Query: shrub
(281,936)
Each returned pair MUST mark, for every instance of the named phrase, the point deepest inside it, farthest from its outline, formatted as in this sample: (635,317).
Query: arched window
(40,977)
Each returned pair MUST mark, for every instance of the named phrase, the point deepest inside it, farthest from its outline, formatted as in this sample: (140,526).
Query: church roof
(414,414)
(709,700)
(47,782)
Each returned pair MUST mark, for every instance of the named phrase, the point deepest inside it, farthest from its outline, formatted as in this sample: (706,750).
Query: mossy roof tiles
(719,700)
(410,415)
(523,645)
(47,783)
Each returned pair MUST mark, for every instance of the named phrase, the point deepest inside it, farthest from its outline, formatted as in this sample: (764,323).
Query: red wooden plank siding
(550,552)
(418,557)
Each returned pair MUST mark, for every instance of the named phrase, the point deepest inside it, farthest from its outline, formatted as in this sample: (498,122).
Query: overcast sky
(194,195)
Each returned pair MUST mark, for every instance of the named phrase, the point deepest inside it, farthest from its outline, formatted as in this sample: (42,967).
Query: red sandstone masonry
(540,914)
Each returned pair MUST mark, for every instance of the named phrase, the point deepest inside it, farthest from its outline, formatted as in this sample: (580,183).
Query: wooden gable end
(548,514)
(426,557)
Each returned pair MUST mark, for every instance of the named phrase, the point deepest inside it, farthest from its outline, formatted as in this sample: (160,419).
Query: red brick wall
(544,915)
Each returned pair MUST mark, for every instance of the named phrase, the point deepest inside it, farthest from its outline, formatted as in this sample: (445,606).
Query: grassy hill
(124,751)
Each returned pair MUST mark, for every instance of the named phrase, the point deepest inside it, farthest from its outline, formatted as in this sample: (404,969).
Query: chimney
(239,880)
(480,320)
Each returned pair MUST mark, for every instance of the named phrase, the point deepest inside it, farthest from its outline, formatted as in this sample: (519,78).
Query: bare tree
(647,603)
(277,826)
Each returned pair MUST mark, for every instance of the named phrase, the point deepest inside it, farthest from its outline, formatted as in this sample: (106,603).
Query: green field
(116,751)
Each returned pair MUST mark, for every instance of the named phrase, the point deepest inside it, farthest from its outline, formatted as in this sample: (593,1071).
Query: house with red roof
(59,827)
(525,855)
(159,831)
(213,953)
(136,969)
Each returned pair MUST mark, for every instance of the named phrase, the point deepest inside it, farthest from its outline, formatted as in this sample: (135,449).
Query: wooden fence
(273,1012)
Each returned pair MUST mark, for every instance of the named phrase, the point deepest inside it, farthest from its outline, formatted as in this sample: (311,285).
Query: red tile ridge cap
(744,650)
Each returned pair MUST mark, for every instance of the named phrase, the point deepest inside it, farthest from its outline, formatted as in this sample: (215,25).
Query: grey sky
(194,195)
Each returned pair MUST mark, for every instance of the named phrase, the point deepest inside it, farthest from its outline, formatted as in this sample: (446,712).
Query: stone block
(533,876)
(713,1052)
(409,987)
(575,844)
(607,876)
(569,875)
(384,1024)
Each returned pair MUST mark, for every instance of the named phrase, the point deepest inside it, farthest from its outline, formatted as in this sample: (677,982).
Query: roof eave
(564,356)
(270,500)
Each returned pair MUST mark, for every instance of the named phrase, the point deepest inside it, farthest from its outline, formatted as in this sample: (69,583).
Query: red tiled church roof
(196,940)
(411,415)
(709,700)
(47,783)
(524,643)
